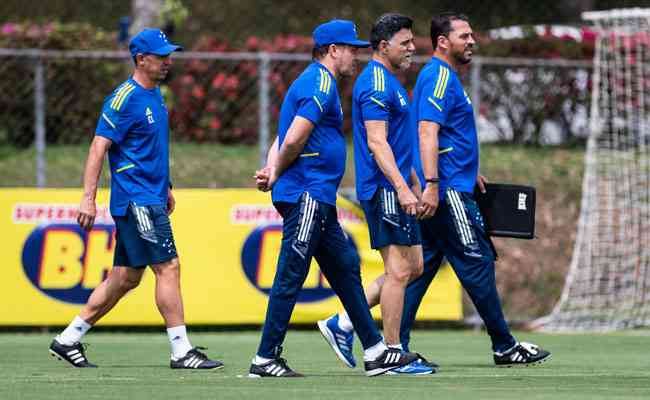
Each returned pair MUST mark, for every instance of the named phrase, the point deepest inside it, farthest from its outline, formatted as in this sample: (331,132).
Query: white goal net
(608,284)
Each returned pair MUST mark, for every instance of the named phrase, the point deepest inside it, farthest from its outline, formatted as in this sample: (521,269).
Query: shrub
(74,88)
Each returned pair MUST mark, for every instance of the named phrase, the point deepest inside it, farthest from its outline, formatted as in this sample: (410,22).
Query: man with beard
(304,170)
(448,168)
(134,130)
(383,147)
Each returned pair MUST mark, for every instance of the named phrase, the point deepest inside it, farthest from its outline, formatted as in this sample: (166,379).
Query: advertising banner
(228,241)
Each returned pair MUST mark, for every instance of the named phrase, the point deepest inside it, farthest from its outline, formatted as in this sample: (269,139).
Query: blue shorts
(143,237)
(388,223)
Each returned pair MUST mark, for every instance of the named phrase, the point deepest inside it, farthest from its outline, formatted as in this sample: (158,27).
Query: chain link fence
(54,97)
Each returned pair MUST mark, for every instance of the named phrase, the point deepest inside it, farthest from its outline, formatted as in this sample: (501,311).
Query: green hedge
(209,101)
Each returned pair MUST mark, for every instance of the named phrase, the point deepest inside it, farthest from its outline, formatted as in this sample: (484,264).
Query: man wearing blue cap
(134,129)
(383,156)
(304,170)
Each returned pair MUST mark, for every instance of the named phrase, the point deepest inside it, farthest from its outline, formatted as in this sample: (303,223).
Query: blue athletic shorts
(143,237)
(388,223)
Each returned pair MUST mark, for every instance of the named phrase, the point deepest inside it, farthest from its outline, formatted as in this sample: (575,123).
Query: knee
(402,274)
(168,270)
(126,283)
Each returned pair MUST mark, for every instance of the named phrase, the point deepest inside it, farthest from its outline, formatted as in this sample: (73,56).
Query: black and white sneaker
(390,359)
(276,368)
(74,354)
(195,359)
(522,354)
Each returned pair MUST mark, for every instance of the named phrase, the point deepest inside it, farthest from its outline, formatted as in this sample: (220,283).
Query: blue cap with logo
(152,41)
(337,31)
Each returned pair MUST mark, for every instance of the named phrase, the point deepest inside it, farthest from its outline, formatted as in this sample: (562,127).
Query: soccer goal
(608,284)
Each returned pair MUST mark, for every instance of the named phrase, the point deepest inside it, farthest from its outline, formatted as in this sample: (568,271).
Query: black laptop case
(508,210)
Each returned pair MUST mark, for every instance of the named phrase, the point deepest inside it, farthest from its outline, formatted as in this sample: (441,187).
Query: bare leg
(168,292)
(373,291)
(402,264)
(105,296)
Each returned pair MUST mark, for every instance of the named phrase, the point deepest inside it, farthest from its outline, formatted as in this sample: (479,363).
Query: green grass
(134,366)
(192,165)
(216,166)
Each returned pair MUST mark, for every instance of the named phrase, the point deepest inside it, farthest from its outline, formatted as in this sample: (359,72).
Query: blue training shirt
(379,96)
(439,97)
(135,119)
(320,167)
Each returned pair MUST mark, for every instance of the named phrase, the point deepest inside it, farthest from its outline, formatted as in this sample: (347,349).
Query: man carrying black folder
(448,164)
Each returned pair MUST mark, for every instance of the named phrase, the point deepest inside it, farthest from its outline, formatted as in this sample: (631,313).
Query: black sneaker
(74,354)
(390,359)
(276,368)
(523,353)
(195,359)
(427,363)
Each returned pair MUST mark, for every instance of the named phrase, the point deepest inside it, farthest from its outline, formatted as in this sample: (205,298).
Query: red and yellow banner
(228,241)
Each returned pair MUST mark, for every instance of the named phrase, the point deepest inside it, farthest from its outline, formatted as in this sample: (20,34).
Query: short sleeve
(435,100)
(116,119)
(113,125)
(314,96)
(374,98)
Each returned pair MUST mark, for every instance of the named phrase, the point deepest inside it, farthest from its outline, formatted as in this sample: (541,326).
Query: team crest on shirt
(402,101)
(467,97)
(149,115)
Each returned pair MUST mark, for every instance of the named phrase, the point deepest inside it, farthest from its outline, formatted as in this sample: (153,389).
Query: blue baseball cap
(337,31)
(152,41)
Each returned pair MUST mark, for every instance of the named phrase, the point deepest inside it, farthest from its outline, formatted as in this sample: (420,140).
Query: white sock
(395,346)
(179,341)
(344,322)
(371,353)
(257,360)
(74,332)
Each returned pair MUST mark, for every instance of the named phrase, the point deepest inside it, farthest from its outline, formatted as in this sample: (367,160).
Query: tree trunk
(146,14)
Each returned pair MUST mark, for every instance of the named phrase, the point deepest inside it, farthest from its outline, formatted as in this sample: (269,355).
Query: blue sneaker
(339,340)
(414,368)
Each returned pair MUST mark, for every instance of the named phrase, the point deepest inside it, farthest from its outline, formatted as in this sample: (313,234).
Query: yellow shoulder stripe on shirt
(434,104)
(382,105)
(441,84)
(379,81)
(325,81)
(121,94)
(318,103)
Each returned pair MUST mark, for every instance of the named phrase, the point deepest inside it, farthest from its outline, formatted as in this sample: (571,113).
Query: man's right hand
(429,201)
(265,178)
(87,213)
(408,201)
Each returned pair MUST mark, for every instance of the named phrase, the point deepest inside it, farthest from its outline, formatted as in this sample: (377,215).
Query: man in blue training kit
(134,129)
(383,147)
(448,168)
(305,168)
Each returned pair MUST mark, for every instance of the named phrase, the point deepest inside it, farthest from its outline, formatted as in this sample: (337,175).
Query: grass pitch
(135,366)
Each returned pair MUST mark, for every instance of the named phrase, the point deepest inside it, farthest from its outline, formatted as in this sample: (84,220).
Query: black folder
(508,210)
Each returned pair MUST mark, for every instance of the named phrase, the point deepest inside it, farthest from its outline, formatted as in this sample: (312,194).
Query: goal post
(608,283)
